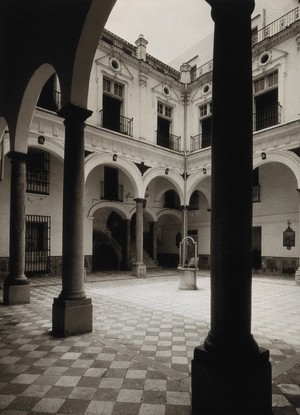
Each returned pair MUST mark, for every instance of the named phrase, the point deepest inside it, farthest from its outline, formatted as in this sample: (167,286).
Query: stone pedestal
(187,278)
(72,317)
(229,384)
(16,294)
(297,277)
(139,270)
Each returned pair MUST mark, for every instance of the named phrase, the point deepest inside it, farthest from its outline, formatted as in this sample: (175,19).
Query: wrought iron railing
(37,244)
(267,117)
(120,124)
(277,26)
(171,141)
(267,31)
(202,140)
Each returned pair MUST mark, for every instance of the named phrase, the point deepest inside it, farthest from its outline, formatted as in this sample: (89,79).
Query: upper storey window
(112,116)
(267,107)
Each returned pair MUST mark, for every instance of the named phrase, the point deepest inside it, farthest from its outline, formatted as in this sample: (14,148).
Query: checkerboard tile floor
(137,360)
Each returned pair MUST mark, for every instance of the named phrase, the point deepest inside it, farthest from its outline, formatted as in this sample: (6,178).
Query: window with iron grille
(37,244)
(38,171)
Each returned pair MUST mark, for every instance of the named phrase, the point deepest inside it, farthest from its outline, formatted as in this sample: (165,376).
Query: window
(193,73)
(164,123)
(267,107)
(38,171)
(255,186)
(171,200)
(111,114)
(266,82)
(50,96)
(205,124)
(37,244)
(110,188)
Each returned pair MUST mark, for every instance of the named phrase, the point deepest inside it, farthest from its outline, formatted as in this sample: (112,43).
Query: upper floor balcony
(171,141)
(267,117)
(118,123)
(200,141)
(258,36)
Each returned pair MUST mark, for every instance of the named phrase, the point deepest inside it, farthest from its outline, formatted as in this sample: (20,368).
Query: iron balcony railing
(200,141)
(120,124)
(277,26)
(267,31)
(171,141)
(267,117)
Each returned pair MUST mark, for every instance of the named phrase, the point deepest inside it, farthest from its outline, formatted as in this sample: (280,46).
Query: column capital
(139,200)
(232,7)
(17,156)
(71,111)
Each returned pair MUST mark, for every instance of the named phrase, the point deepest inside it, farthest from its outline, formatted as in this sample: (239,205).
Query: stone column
(139,268)
(16,286)
(297,273)
(230,373)
(127,243)
(72,311)
(154,240)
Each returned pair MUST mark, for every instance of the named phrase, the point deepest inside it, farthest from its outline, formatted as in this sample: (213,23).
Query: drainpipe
(185,70)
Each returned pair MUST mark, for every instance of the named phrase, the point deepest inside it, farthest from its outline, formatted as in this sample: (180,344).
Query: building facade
(148,158)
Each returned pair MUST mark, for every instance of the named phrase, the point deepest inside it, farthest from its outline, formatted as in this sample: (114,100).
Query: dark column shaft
(231,218)
(73,203)
(139,230)
(17,218)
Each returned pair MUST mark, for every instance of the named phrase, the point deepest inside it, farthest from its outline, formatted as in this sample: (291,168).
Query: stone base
(297,277)
(139,270)
(71,317)
(16,294)
(187,278)
(234,387)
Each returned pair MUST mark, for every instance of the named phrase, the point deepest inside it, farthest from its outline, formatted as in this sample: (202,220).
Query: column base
(16,294)
(297,277)
(72,317)
(231,387)
(139,270)
(187,278)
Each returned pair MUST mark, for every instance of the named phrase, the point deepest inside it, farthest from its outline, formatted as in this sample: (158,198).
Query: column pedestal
(139,269)
(16,293)
(297,277)
(70,317)
(229,385)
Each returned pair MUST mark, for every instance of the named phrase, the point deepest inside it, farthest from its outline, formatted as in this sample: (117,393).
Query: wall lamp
(41,139)
(167,171)
(263,156)
(115,156)
(204,170)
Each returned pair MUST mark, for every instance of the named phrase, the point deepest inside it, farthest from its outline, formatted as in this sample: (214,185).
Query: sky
(170,26)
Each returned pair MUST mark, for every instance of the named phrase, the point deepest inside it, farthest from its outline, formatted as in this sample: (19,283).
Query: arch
(93,26)
(173,177)
(118,207)
(3,126)
(150,212)
(285,157)
(129,168)
(193,184)
(169,212)
(55,148)
(19,137)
